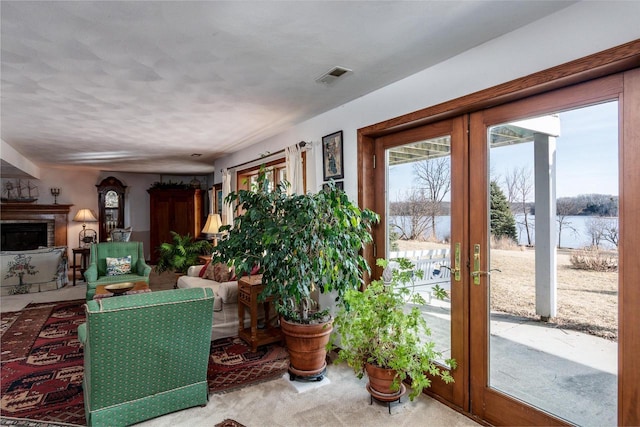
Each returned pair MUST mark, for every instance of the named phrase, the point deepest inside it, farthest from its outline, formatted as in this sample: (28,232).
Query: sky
(586,156)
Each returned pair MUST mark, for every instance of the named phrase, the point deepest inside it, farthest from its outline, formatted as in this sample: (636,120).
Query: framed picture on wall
(217,199)
(332,152)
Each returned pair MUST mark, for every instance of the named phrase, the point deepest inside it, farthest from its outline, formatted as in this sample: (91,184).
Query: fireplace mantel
(34,212)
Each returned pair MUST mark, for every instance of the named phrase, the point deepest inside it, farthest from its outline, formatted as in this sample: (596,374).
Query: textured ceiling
(139,86)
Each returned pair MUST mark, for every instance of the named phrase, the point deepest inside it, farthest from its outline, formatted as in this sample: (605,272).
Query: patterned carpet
(41,371)
(233,365)
(42,364)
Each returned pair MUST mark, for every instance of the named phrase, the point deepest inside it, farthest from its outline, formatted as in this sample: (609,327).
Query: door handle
(476,273)
(456,266)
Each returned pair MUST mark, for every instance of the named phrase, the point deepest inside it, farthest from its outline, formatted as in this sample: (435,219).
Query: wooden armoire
(174,210)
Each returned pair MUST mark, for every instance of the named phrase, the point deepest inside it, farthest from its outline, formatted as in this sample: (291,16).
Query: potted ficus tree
(379,335)
(303,243)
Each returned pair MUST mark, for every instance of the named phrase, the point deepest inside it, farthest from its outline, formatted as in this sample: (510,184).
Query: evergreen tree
(502,221)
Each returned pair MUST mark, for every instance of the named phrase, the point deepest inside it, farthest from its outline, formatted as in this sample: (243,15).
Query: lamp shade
(212,225)
(84,216)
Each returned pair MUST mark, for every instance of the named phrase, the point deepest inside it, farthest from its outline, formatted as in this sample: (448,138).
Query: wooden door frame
(622,58)
(629,315)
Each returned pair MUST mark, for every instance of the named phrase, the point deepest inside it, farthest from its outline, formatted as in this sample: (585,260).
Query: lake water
(575,232)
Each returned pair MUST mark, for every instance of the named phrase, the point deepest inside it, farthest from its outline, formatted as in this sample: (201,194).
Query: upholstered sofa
(34,270)
(97,274)
(145,355)
(225,309)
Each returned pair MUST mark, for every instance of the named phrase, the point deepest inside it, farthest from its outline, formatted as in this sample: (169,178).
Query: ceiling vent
(332,75)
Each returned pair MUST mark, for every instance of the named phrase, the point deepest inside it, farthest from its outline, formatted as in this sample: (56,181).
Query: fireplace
(22,236)
(21,222)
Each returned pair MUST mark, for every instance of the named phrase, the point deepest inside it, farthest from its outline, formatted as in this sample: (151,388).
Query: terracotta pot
(380,379)
(307,348)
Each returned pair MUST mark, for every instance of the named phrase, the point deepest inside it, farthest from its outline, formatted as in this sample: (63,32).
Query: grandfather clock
(110,206)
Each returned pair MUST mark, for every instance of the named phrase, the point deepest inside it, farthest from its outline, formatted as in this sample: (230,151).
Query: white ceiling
(138,86)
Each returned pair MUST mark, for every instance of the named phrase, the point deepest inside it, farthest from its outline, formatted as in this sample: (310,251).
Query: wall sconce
(55,192)
(87,235)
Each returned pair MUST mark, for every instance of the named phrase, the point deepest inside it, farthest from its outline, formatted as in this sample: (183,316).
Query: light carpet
(341,402)
(9,303)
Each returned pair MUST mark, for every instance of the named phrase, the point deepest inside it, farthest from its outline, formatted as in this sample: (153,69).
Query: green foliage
(502,221)
(181,253)
(374,327)
(169,185)
(393,241)
(302,242)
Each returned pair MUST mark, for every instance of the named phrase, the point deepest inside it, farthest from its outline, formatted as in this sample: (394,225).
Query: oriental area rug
(233,365)
(41,365)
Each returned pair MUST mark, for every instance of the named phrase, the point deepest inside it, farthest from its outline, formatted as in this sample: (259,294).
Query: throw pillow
(218,272)
(118,266)
(208,272)
(204,269)
(221,272)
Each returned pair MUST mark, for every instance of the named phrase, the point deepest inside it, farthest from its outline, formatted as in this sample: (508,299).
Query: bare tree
(510,185)
(434,179)
(603,229)
(409,218)
(610,233)
(564,208)
(595,228)
(519,185)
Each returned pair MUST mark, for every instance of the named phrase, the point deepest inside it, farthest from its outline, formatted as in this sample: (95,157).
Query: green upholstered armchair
(96,274)
(145,355)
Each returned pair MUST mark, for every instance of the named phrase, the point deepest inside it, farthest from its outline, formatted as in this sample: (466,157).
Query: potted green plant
(181,253)
(378,335)
(303,243)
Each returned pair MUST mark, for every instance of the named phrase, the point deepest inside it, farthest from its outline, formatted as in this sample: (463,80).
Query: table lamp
(87,235)
(212,226)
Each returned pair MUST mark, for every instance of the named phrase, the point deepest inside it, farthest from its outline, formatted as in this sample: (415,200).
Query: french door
(424,218)
(550,152)
(459,190)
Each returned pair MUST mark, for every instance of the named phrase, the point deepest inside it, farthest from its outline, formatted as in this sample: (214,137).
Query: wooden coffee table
(140,287)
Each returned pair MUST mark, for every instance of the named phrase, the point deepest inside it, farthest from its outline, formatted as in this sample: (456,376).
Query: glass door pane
(419,224)
(553,284)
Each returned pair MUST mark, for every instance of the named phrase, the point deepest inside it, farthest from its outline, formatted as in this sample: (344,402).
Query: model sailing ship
(19,192)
